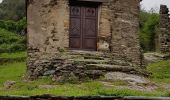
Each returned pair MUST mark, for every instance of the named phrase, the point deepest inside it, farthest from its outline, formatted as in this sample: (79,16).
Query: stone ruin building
(164,29)
(83,39)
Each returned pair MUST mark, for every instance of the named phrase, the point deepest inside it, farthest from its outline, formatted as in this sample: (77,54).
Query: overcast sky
(148,4)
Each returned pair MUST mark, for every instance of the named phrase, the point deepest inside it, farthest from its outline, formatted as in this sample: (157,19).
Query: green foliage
(167,93)
(149,23)
(143,18)
(160,71)
(21,24)
(14,26)
(11,42)
(12,9)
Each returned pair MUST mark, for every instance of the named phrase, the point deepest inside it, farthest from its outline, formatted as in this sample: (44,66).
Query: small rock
(134,81)
(154,57)
(130,78)
(50,72)
(9,84)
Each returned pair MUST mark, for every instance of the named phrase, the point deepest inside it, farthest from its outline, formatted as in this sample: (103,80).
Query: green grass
(16,72)
(73,90)
(160,71)
(13,55)
(13,71)
(7,58)
(91,88)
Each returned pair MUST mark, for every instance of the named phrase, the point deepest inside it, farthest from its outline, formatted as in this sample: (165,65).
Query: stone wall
(119,28)
(104,33)
(48,37)
(125,29)
(164,29)
(48,25)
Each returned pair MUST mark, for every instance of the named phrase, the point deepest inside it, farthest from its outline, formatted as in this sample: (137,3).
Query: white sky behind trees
(155,4)
(148,4)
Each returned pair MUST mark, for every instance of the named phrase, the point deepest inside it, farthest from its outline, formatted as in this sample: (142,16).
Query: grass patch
(6,58)
(16,71)
(14,55)
(160,71)
(127,92)
(13,71)
(91,88)
(120,82)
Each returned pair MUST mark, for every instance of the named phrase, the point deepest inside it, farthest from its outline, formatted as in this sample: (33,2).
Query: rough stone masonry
(164,29)
(117,39)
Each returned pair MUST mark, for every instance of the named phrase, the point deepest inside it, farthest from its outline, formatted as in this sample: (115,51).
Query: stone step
(89,61)
(88,53)
(57,61)
(74,55)
(120,62)
(86,57)
(69,56)
(94,57)
(107,67)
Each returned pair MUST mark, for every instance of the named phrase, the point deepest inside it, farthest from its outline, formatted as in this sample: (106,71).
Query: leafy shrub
(149,30)
(21,25)
(11,42)
(14,26)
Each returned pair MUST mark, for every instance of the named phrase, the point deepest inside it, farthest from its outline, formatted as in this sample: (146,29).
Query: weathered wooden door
(83,26)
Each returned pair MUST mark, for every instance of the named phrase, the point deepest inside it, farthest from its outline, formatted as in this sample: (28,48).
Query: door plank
(83,26)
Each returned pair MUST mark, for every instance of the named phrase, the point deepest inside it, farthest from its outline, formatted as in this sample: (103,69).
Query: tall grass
(160,71)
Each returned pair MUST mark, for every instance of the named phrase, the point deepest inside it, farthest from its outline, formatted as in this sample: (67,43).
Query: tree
(149,23)
(12,9)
